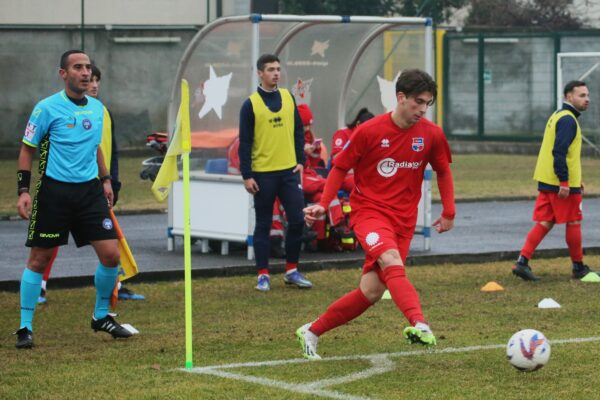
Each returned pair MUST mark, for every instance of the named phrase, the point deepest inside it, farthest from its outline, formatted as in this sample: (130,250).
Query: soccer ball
(528,350)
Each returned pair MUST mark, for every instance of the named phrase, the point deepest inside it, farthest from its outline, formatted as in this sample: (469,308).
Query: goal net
(584,66)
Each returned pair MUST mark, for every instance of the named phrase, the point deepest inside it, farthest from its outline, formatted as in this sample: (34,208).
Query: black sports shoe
(524,272)
(109,325)
(24,338)
(580,270)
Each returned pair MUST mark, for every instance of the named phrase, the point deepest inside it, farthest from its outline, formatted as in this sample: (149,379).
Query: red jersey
(339,140)
(389,163)
(312,159)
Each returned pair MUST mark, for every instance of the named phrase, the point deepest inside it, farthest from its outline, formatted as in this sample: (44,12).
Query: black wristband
(105,177)
(23,181)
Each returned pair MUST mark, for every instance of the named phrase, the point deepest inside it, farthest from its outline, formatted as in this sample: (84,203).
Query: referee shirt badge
(107,224)
(87,124)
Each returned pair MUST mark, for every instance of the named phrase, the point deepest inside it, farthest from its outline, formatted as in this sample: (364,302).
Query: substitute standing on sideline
(271,158)
(558,172)
(67,129)
(389,154)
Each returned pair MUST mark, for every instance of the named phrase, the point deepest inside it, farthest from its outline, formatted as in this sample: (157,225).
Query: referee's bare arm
(103,173)
(24,164)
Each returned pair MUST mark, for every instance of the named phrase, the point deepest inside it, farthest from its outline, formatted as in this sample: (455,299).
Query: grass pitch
(235,324)
(476,177)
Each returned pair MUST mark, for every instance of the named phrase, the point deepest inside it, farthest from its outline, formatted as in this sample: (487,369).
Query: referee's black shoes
(24,338)
(109,325)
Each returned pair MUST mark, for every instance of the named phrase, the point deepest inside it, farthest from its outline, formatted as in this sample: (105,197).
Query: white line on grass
(380,363)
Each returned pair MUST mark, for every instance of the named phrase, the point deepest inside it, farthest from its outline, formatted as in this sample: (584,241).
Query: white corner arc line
(380,363)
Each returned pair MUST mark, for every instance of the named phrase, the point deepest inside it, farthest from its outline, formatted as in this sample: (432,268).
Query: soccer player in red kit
(389,154)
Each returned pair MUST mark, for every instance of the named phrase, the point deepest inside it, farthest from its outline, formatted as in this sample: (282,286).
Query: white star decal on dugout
(319,48)
(215,91)
(387,92)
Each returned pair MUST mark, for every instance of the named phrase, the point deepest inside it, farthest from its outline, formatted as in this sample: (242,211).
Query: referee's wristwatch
(105,178)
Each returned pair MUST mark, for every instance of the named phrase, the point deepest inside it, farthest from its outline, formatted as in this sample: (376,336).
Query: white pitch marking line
(381,363)
(292,387)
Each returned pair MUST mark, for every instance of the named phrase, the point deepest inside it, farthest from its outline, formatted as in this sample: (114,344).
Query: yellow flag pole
(187,249)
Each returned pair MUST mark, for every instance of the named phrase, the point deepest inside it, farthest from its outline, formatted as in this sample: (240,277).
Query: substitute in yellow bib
(271,153)
(558,173)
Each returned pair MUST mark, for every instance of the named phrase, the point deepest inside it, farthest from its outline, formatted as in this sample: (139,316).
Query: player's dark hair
(572,85)
(413,82)
(265,59)
(96,72)
(64,59)
(363,115)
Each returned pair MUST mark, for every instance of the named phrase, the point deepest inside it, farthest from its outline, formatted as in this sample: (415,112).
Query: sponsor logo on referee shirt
(388,166)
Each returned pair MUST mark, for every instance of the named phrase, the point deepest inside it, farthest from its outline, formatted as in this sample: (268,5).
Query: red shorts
(548,207)
(377,234)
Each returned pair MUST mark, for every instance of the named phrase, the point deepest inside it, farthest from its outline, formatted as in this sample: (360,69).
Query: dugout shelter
(335,64)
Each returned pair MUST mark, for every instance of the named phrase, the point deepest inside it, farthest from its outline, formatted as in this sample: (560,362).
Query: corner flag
(180,144)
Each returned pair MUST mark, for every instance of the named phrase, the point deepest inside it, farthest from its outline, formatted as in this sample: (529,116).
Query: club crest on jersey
(418,144)
(107,224)
(385,142)
(87,124)
(338,142)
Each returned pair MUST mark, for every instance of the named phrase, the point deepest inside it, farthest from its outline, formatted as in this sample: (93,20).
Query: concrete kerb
(308,266)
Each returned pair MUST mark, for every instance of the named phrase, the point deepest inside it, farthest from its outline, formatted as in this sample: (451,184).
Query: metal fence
(502,86)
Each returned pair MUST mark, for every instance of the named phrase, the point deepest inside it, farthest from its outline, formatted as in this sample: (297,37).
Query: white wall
(115,12)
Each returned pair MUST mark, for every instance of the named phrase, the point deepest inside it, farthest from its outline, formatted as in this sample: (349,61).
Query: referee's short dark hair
(64,59)
(96,72)
(265,59)
(412,82)
(572,85)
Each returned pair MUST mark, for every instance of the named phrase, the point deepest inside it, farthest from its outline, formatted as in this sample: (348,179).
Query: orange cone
(492,287)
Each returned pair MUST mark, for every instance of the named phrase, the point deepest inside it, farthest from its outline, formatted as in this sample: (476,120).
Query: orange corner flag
(127,265)
(492,287)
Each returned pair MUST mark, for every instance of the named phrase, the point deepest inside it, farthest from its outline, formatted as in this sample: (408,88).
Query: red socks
(534,238)
(403,293)
(573,237)
(290,266)
(345,309)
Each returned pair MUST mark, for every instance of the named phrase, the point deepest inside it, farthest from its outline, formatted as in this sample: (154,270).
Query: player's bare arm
(24,164)
(105,177)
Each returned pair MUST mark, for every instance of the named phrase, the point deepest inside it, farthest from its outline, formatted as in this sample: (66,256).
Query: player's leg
(569,211)
(42,297)
(263,208)
(92,224)
(340,312)
(289,192)
(543,216)
(105,280)
(31,282)
(48,229)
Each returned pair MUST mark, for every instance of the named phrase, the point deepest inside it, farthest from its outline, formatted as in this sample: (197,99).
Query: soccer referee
(73,194)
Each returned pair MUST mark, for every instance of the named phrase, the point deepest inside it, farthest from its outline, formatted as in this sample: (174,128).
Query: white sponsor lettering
(388,166)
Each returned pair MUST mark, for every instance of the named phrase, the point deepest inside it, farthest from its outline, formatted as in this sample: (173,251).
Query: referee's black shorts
(60,207)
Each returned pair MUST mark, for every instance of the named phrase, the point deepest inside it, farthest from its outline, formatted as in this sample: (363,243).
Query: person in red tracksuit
(312,182)
(389,154)
(341,137)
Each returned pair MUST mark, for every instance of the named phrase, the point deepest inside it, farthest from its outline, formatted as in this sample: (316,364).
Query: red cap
(305,114)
